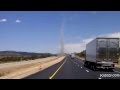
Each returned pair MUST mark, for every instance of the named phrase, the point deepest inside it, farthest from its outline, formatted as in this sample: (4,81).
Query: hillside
(12,56)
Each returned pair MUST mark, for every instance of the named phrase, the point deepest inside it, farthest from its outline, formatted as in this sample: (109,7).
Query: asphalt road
(72,68)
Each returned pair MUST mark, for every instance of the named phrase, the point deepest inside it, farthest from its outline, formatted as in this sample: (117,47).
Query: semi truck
(102,53)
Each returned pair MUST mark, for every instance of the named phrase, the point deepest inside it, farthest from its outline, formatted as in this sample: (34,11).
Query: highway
(72,68)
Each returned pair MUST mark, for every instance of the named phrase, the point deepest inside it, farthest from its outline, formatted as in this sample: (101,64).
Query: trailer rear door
(108,49)
(113,49)
(101,49)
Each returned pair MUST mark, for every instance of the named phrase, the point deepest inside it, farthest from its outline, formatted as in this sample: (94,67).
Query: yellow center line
(56,70)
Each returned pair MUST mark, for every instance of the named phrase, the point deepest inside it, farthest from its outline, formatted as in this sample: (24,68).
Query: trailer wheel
(94,68)
(84,65)
(111,70)
(91,66)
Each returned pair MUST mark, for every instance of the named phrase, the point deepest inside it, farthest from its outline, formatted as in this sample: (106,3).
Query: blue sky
(39,31)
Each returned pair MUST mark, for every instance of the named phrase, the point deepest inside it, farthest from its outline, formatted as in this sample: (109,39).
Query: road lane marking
(78,65)
(87,71)
(56,70)
(116,71)
(81,67)
(99,78)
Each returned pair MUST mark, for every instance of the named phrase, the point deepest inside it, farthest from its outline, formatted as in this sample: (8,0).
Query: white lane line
(99,78)
(87,71)
(81,67)
(116,71)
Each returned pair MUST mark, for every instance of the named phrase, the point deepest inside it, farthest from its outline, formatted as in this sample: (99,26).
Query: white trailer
(102,53)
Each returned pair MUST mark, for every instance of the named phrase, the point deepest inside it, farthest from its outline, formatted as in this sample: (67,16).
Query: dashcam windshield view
(59,45)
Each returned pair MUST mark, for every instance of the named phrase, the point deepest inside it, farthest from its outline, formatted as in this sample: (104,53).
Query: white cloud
(78,47)
(69,48)
(18,21)
(3,20)
(87,40)
(114,35)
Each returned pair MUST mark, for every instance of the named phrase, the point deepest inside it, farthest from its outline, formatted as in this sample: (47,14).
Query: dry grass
(81,58)
(3,73)
(9,70)
(118,65)
(16,70)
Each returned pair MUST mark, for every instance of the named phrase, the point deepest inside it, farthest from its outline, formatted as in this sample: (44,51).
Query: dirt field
(21,69)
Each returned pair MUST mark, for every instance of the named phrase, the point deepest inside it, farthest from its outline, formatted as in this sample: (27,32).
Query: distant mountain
(20,53)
